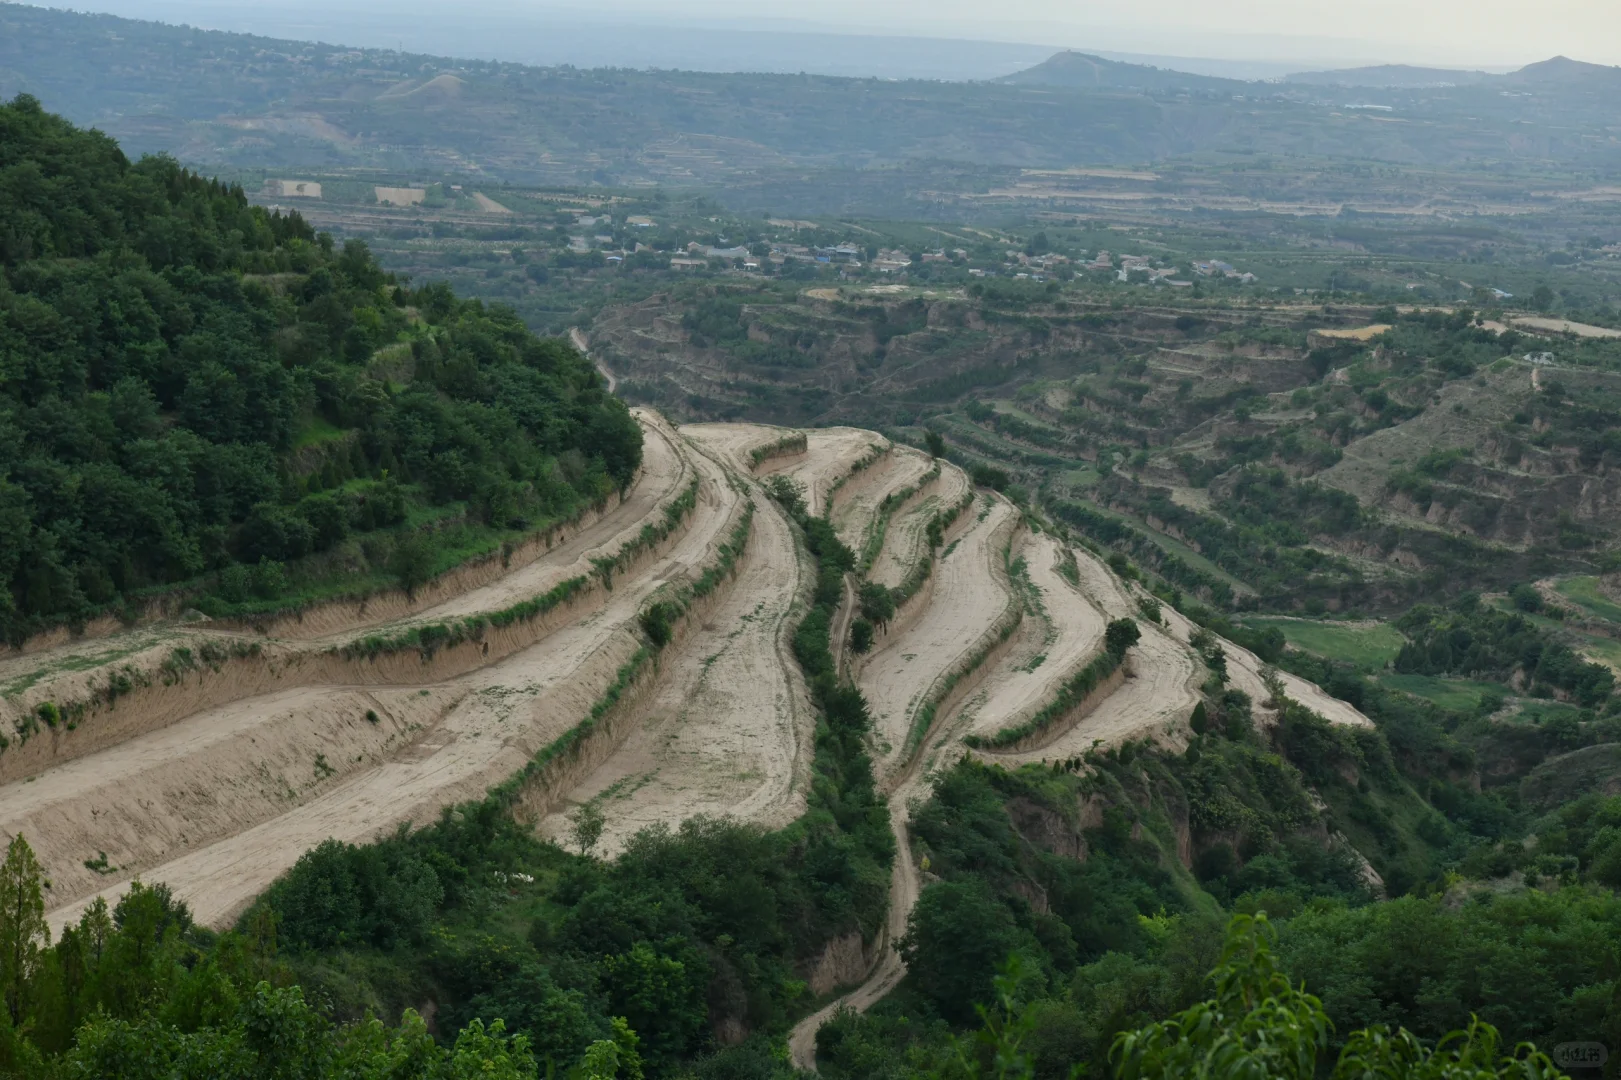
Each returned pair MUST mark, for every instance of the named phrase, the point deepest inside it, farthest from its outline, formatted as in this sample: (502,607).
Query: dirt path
(1063,639)
(728,732)
(577,338)
(968,598)
(969,571)
(904,887)
(496,719)
(906,539)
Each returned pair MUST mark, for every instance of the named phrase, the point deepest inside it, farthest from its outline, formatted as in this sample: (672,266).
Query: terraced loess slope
(968,598)
(856,505)
(906,539)
(729,729)
(830,455)
(218,802)
(215,776)
(1061,632)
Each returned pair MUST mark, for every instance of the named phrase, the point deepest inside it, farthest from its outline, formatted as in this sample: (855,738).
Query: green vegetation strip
(941,521)
(428,638)
(886,511)
(792,443)
(1369,646)
(507,792)
(863,463)
(1069,696)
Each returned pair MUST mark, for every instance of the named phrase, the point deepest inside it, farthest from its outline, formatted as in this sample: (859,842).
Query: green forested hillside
(196,390)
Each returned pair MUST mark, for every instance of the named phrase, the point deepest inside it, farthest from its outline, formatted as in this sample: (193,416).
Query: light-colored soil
(906,540)
(1565,326)
(968,598)
(728,732)
(830,452)
(489,205)
(734,443)
(1155,701)
(855,505)
(1061,640)
(401,196)
(502,715)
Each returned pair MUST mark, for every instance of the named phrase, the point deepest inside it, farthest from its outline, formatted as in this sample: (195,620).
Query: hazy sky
(1497,32)
(1490,33)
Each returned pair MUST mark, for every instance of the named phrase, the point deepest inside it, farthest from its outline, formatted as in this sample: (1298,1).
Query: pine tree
(23,933)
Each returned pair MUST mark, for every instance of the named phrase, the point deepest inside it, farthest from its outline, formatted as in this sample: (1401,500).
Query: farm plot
(906,539)
(1064,634)
(969,595)
(856,504)
(830,454)
(1154,701)
(1244,673)
(728,731)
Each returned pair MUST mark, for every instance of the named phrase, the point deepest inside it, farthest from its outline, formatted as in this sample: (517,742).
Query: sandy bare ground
(855,505)
(906,539)
(1068,633)
(968,598)
(728,732)
(577,338)
(1154,702)
(1565,326)
(734,443)
(500,717)
(829,454)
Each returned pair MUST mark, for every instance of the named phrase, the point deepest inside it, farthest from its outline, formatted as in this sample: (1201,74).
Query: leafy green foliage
(1470,638)
(1259,1024)
(162,346)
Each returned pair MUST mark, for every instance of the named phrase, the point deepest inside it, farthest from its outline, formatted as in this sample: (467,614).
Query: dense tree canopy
(188,383)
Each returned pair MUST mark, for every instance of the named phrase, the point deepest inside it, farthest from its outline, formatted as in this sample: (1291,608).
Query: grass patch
(315,431)
(1540,712)
(1583,591)
(1460,695)
(1369,646)
(1079,479)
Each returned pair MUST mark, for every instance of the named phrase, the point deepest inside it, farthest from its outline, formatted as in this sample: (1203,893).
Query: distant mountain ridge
(1392,76)
(1079,70)
(1074,69)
